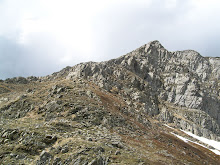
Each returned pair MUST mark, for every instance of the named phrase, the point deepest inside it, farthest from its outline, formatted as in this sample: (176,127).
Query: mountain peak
(154,44)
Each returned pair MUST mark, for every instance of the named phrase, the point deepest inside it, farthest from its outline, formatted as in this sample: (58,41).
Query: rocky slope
(114,112)
(169,84)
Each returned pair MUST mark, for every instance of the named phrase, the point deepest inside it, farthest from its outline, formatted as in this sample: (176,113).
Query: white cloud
(170,3)
(66,32)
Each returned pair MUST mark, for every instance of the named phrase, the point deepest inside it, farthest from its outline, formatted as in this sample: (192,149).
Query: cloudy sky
(39,37)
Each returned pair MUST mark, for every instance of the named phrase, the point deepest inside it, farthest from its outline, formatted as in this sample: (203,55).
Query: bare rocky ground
(114,112)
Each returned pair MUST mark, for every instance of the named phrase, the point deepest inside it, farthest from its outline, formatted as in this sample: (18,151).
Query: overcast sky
(39,37)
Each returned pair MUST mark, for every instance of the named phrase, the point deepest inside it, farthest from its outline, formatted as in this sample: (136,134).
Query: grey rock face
(45,158)
(154,76)
(97,161)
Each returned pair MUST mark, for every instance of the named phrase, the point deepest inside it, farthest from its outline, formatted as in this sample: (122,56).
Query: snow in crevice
(168,126)
(213,143)
(180,137)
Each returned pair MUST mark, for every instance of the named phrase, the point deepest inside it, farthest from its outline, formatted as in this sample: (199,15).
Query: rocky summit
(134,110)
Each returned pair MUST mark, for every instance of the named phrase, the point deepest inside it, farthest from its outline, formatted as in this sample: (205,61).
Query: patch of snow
(212,143)
(168,126)
(215,151)
(180,137)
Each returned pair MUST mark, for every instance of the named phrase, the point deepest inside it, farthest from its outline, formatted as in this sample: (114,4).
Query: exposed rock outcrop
(154,76)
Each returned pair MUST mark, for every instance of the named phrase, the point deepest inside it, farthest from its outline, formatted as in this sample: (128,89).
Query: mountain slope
(114,112)
(184,81)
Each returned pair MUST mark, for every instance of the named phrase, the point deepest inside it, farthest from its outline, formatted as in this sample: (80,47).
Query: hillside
(129,110)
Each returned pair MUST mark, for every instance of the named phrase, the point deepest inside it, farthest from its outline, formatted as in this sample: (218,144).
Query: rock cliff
(179,87)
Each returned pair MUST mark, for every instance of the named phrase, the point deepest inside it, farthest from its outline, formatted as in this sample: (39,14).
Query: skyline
(39,37)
